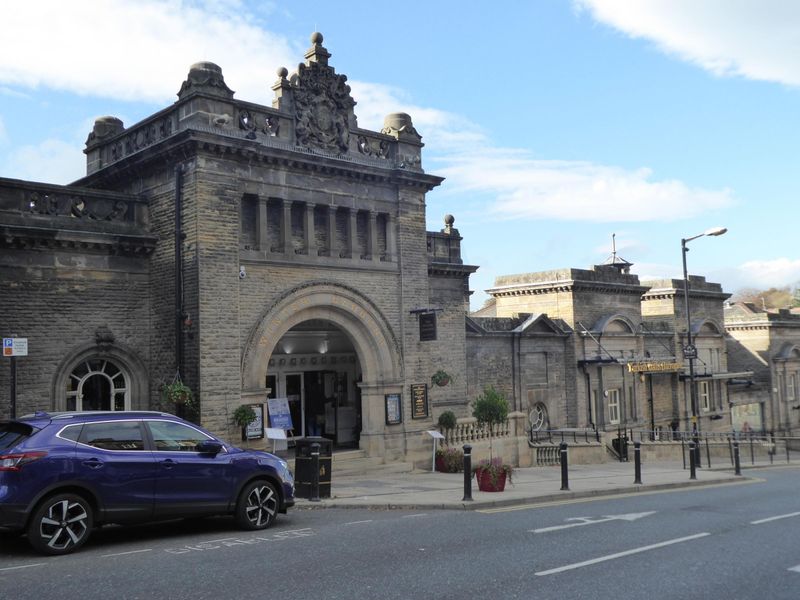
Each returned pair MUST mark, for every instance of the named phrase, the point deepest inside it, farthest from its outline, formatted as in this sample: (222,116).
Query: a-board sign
(279,415)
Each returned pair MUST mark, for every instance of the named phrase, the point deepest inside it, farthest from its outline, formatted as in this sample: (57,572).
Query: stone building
(596,348)
(249,250)
(767,344)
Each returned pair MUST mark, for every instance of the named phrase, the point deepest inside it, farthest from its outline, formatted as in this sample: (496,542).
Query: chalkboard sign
(419,400)
(394,409)
(427,327)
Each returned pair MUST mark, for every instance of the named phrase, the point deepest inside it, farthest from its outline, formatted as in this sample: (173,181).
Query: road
(734,541)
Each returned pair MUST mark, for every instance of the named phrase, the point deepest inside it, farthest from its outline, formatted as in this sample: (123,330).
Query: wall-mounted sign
(654,366)
(419,400)
(394,409)
(427,327)
(255,430)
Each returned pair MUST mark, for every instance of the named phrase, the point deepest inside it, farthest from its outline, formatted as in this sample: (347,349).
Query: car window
(170,437)
(12,434)
(72,433)
(121,435)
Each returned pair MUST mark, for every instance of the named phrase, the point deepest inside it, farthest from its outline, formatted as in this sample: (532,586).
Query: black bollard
(564,467)
(637,462)
(692,459)
(737,465)
(314,472)
(467,473)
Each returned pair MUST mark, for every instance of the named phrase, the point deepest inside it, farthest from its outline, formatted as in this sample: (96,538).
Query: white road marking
(21,567)
(359,522)
(415,516)
(126,553)
(588,521)
(795,569)
(600,559)
(767,520)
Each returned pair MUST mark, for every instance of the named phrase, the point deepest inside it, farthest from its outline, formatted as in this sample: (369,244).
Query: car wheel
(60,524)
(258,505)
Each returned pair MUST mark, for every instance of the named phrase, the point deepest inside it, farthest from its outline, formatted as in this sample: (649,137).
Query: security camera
(242,272)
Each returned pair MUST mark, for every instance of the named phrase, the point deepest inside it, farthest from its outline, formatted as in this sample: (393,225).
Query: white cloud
(526,187)
(756,40)
(763,274)
(137,49)
(3,132)
(52,161)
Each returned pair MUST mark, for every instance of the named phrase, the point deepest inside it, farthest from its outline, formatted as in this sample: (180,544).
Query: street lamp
(689,350)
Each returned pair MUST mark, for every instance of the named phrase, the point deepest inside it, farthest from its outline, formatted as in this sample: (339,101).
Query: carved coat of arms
(323,104)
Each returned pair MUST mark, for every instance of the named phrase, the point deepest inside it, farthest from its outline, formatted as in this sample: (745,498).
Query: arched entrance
(315,308)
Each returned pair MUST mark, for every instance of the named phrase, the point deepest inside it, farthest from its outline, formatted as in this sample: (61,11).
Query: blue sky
(557,123)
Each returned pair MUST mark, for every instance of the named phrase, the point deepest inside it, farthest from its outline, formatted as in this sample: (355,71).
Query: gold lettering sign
(655,366)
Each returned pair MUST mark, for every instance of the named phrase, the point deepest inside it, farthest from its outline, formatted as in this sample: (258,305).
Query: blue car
(62,474)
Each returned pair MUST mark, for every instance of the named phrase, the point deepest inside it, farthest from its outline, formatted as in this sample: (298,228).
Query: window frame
(614,401)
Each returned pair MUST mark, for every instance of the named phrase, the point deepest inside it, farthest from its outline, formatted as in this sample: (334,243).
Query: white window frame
(613,407)
(119,383)
(704,395)
(791,387)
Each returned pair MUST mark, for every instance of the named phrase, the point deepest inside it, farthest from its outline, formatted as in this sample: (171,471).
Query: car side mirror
(209,447)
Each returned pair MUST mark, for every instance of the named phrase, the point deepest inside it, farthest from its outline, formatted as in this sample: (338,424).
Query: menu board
(419,400)
(394,409)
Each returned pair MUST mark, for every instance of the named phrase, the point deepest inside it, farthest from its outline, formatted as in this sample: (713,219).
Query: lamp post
(689,350)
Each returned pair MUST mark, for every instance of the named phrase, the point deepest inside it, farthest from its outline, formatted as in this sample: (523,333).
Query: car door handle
(93,463)
(168,463)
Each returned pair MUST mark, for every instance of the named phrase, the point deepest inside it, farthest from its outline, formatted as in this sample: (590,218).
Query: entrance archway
(359,320)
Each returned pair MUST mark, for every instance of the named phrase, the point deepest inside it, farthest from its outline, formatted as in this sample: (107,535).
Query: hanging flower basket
(440,378)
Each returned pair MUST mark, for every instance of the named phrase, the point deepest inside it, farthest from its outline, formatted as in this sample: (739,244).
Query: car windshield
(13,433)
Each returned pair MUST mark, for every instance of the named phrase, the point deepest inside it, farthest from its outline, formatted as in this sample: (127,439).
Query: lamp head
(716,231)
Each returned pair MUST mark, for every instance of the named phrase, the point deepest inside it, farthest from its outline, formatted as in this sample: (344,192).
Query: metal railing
(556,436)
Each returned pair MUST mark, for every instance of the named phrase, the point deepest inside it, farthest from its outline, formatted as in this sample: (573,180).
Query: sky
(556,123)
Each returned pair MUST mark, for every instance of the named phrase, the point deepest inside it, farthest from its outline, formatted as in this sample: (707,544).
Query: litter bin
(304,468)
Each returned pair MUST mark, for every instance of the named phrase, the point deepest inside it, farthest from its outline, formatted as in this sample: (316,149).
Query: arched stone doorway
(367,332)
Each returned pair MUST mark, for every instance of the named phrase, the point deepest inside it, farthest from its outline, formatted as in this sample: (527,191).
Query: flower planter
(485,483)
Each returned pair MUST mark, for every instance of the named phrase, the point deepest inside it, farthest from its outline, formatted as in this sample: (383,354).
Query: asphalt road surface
(734,542)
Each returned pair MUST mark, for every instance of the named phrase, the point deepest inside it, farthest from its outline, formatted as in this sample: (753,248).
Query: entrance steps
(356,463)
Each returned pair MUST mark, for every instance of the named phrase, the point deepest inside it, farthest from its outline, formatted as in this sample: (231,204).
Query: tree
(769,299)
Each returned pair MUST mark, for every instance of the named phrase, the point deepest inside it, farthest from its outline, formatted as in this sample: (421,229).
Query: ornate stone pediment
(322,102)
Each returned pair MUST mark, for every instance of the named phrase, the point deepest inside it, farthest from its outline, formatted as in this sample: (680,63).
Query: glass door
(293,390)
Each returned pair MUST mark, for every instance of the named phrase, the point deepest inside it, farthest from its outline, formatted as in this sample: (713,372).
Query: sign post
(14,347)
(436,436)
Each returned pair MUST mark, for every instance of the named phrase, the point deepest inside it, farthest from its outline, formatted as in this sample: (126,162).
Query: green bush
(447,421)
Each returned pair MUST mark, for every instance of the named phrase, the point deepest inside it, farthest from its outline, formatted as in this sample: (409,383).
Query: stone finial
(104,127)
(448,225)
(317,53)
(205,77)
(399,124)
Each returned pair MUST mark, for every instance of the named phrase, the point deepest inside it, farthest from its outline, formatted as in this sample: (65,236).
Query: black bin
(304,469)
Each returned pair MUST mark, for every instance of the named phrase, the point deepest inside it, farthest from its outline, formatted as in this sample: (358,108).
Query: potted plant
(490,409)
(441,378)
(243,416)
(449,460)
(447,422)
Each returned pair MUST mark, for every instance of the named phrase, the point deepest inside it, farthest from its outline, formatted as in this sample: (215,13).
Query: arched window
(98,384)
(538,417)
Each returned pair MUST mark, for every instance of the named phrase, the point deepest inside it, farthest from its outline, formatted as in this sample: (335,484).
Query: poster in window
(394,409)
(419,400)
(255,430)
(427,327)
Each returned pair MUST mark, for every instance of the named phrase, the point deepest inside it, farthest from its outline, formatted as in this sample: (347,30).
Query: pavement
(535,485)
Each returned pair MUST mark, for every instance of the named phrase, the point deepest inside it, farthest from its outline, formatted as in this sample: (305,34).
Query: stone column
(332,249)
(391,250)
(373,236)
(287,227)
(352,235)
(263,242)
(310,238)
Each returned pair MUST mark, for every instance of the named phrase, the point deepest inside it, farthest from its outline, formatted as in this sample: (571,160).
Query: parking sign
(15,346)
